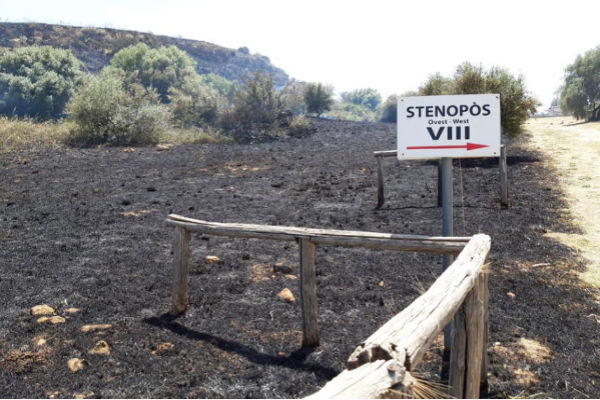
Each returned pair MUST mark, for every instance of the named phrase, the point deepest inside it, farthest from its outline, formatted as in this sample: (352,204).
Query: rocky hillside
(95,47)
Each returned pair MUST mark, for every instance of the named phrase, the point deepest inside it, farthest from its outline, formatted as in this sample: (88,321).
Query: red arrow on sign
(468,147)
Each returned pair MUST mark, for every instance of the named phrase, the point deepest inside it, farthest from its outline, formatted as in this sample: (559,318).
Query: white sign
(458,126)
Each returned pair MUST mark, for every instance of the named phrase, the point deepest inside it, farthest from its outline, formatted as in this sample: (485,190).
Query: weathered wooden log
(181,252)
(386,153)
(325,237)
(424,246)
(308,294)
(382,378)
(413,329)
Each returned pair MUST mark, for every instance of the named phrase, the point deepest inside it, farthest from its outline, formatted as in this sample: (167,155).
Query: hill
(95,47)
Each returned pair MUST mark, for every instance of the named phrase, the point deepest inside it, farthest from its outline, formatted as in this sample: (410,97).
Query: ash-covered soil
(84,229)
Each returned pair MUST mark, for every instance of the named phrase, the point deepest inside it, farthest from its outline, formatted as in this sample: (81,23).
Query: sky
(392,46)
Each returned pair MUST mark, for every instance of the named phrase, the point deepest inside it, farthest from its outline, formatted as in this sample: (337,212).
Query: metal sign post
(447,127)
(447,230)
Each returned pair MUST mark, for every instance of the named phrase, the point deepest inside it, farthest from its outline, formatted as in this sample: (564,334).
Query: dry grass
(193,136)
(572,149)
(25,134)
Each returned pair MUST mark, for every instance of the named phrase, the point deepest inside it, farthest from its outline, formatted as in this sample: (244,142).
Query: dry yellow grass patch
(572,149)
(25,134)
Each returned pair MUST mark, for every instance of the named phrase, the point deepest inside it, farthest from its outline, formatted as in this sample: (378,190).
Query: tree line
(144,91)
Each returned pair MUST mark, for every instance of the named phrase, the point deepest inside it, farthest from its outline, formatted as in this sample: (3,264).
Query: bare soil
(84,229)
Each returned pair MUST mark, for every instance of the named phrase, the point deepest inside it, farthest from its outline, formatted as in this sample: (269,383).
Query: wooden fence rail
(381,365)
(380,155)
(384,361)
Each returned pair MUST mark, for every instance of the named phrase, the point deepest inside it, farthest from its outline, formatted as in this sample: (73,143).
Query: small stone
(40,341)
(100,348)
(381,283)
(290,277)
(72,310)
(163,147)
(211,259)
(287,295)
(95,327)
(42,309)
(51,320)
(84,395)
(163,347)
(511,295)
(75,364)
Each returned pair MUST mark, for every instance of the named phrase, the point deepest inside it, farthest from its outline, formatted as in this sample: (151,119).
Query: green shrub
(318,98)
(256,102)
(225,88)
(515,102)
(107,114)
(437,85)
(369,98)
(194,104)
(291,98)
(162,68)
(299,126)
(345,111)
(389,110)
(37,81)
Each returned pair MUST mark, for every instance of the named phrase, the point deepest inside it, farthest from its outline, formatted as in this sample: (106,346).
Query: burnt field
(83,231)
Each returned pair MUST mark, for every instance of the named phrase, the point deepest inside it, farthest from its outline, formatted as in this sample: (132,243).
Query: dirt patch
(75,233)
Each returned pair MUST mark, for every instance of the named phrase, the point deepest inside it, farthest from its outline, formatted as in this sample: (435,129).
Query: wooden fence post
(475,316)
(308,293)
(503,178)
(468,357)
(380,193)
(181,249)
(483,388)
(456,378)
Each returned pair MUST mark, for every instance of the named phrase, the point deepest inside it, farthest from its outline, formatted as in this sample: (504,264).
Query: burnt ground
(84,228)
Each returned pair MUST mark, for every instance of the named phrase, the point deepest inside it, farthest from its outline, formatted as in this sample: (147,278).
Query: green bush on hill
(318,98)
(161,69)
(37,81)
(515,102)
(369,98)
(389,110)
(106,113)
(194,104)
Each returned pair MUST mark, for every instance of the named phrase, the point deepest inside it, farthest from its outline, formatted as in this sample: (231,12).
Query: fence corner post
(308,293)
(181,250)
(380,190)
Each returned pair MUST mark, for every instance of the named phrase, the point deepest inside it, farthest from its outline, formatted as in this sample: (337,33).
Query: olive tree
(580,93)
(515,102)
(318,98)
(161,69)
(37,81)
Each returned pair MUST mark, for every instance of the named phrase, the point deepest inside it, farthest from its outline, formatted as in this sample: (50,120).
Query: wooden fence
(502,165)
(381,364)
